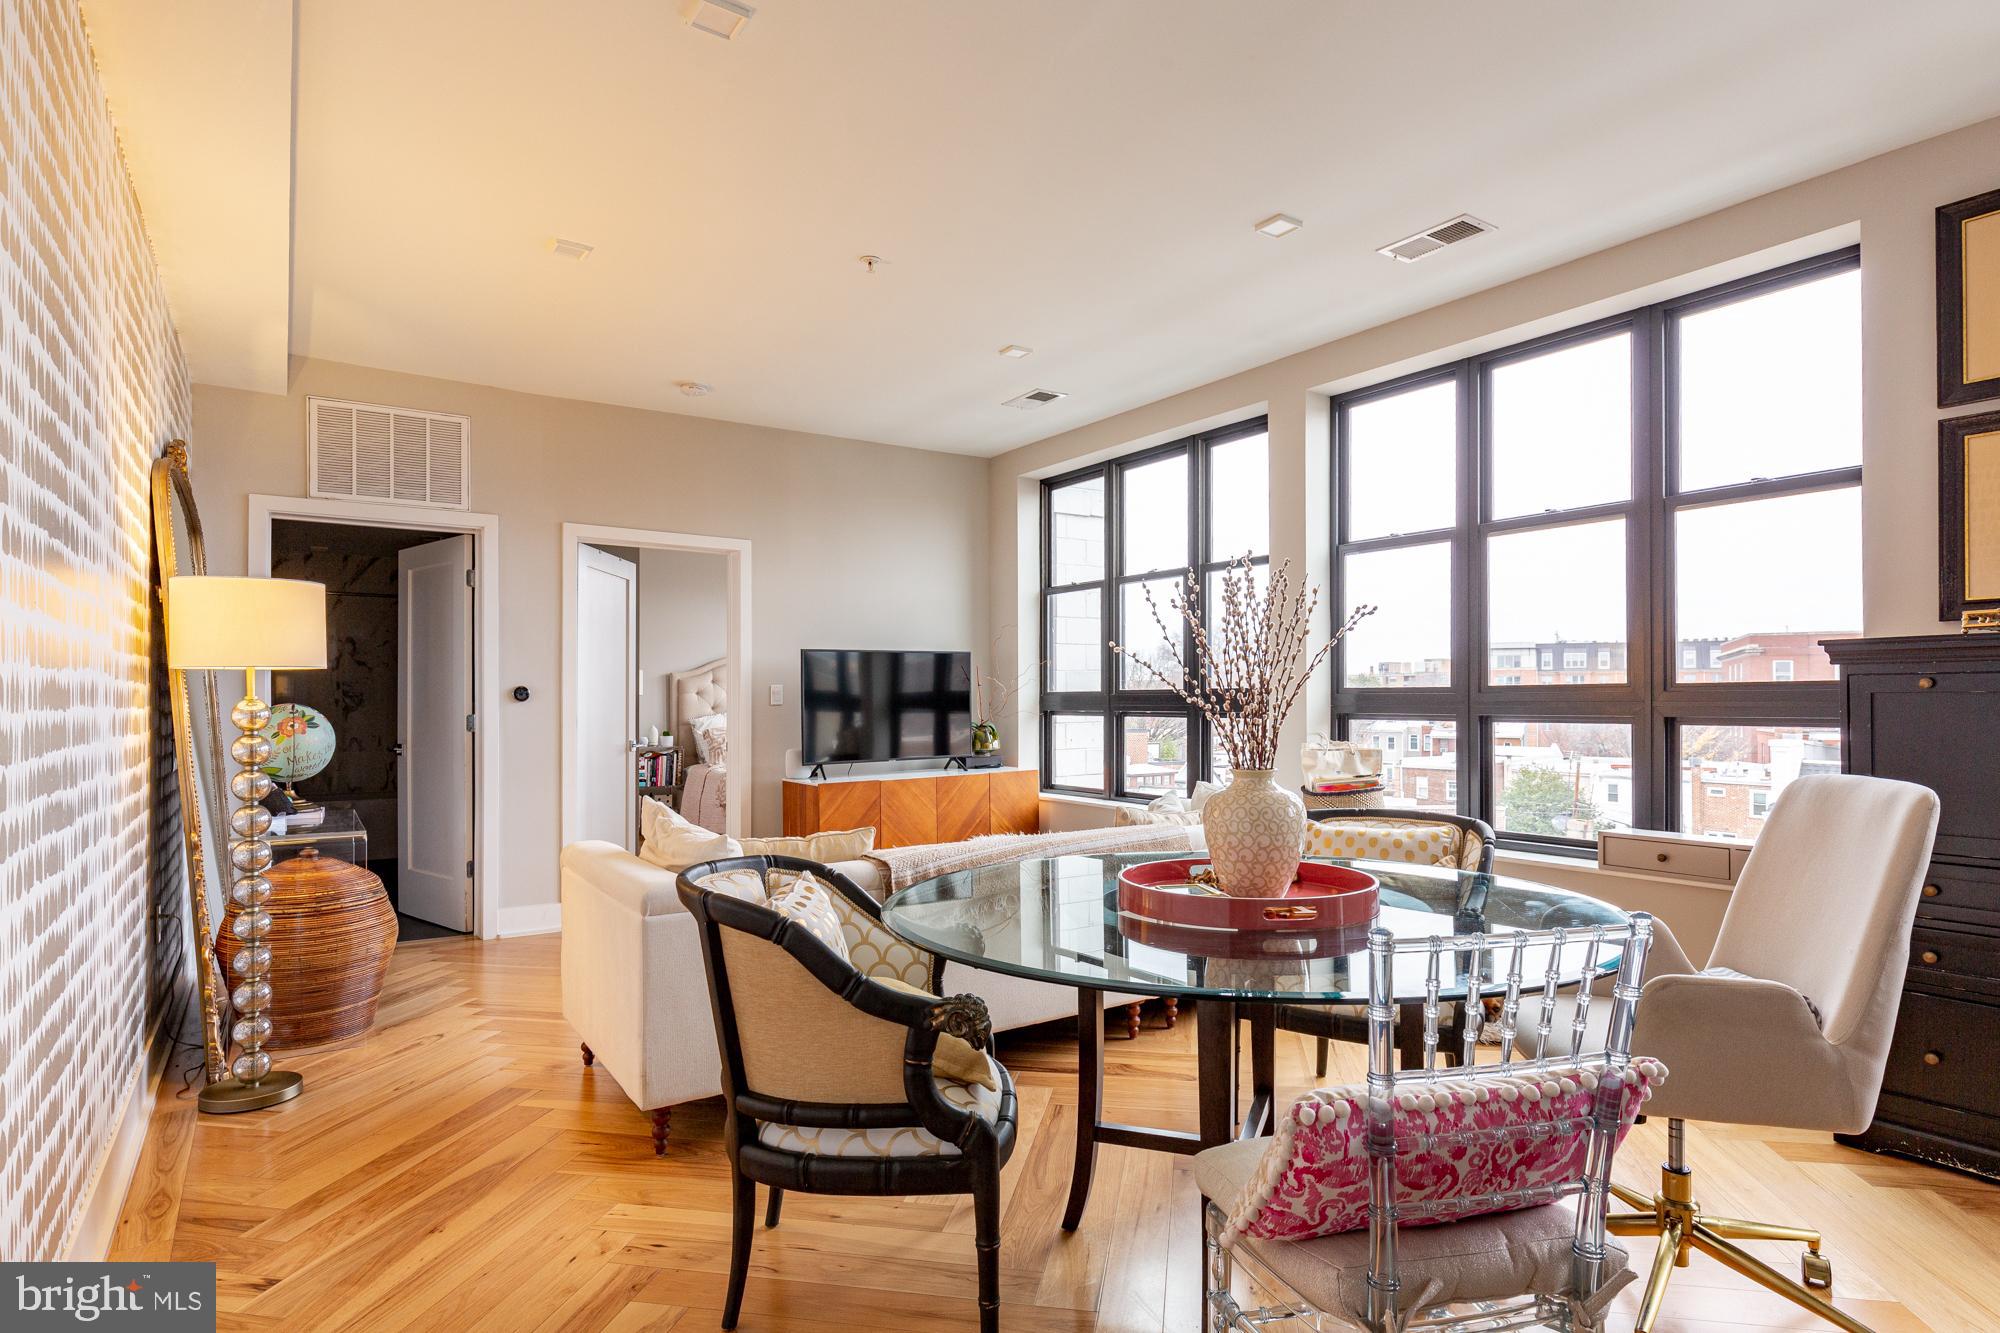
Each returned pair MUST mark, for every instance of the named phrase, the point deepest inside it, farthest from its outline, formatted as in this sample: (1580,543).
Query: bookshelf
(659,772)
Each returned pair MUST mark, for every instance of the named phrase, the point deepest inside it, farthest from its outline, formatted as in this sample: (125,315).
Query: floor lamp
(248,625)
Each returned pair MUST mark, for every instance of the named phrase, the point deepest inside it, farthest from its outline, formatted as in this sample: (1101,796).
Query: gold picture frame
(174,514)
(1969,519)
(1968,300)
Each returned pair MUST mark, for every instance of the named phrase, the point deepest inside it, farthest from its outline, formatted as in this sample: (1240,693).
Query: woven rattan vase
(332,932)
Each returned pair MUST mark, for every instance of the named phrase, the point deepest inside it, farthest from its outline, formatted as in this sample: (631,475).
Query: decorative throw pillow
(955,1057)
(1128,816)
(672,842)
(711,739)
(1365,840)
(826,846)
(804,900)
(745,884)
(1313,1180)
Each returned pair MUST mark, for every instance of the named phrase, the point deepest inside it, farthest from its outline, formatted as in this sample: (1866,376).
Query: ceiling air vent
(1412,248)
(1033,398)
(362,451)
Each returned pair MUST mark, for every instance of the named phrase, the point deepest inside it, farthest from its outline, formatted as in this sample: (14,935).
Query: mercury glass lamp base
(230,1096)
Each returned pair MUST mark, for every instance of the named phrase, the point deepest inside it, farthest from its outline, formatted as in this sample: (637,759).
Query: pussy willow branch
(985,683)
(1247,675)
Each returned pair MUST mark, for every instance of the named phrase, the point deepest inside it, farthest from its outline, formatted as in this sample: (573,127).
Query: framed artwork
(1968,302)
(1969,517)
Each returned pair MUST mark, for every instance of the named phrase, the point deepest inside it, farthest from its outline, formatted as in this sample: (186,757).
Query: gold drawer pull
(1930,890)
(1662,857)
(1929,955)
(1933,1058)
(1926,682)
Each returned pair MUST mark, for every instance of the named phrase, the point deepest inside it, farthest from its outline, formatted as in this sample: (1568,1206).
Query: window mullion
(1199,527)
(1649,658)
(1112,624)
(1468,594)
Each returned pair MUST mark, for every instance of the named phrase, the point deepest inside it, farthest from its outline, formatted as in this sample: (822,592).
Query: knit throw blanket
(904,866)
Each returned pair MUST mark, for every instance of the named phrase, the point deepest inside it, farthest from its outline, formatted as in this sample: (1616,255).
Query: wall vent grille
(1428,242)
(363,451)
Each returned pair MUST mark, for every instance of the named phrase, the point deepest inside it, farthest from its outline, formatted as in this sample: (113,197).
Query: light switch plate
(777,695)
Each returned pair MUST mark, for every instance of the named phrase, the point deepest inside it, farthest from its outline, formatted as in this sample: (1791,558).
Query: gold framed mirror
(199,771)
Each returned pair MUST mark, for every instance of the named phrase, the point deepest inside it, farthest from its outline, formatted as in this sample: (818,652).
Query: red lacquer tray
(1323,897)
(1294,946)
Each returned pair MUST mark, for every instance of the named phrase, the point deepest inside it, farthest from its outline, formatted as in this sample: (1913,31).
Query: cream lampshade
(229,624)
(248,625)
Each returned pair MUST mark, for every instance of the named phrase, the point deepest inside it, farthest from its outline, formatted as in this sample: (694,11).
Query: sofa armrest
(619,875)
(634,988)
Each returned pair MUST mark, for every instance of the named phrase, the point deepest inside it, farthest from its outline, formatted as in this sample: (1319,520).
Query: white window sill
(1104,803)
(1544,866)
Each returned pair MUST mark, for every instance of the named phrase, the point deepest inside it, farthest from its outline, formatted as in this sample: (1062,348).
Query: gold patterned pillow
(1366,840)
(745,884)
(804,901)
(954,1057)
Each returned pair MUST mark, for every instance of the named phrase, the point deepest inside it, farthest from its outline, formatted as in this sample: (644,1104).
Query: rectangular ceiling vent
(1412,248)
(1033,398)
(363,451)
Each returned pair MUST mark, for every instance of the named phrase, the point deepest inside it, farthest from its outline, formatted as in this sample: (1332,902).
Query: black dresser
(1927,710)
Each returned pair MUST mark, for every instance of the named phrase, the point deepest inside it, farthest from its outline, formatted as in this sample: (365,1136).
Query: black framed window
(1111,533)
(1605,560)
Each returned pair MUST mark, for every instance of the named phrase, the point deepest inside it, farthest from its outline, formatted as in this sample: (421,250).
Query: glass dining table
(1057,920)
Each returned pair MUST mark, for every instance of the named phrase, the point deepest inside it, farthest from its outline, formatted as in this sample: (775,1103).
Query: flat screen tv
(860,706)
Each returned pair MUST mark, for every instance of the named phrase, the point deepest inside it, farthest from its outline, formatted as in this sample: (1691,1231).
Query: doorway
(652,655)
(475,753)
(397,695)
(656,643)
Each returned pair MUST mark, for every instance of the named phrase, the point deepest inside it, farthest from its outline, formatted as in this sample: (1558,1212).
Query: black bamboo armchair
(826,1073)
(1469,848)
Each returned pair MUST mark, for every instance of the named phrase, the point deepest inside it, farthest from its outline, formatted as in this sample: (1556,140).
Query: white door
(607,696)
(434,669)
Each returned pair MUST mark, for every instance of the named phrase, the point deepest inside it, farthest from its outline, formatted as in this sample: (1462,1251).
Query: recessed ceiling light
(694,388)
(1015,350)
(569,249)
(1033,398)
(718,18)
(1279,224)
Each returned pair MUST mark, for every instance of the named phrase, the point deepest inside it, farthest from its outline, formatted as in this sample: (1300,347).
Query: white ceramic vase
(1256,831)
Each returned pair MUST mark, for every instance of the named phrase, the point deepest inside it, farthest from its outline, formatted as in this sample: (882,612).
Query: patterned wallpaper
(92,383)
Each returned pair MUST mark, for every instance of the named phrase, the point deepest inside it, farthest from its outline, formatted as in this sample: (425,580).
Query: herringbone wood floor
(458,1168)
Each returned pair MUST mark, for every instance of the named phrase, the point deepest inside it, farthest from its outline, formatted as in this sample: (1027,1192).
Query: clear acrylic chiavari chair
(1528,971)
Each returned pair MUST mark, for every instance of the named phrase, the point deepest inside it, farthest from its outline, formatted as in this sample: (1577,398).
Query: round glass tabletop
(1057,919)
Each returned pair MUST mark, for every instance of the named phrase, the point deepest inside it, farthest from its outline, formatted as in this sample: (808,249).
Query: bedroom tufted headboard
(696,693)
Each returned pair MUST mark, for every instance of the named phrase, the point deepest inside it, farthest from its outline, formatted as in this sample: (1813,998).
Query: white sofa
(635,990)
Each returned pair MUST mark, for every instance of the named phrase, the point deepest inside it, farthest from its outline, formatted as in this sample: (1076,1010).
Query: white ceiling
(1079,177)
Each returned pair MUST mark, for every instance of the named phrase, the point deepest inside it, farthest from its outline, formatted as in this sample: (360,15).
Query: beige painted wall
(853,544)
(1886,203)
(683,622)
